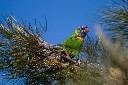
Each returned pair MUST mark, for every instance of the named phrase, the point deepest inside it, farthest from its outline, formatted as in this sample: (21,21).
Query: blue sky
(63,16)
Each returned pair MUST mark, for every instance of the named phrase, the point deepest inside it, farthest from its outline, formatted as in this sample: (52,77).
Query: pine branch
(25,45)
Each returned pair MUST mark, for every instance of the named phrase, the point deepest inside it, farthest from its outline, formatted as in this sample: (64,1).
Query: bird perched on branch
(74,43)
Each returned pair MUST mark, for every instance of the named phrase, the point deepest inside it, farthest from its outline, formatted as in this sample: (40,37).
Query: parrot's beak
(87,30)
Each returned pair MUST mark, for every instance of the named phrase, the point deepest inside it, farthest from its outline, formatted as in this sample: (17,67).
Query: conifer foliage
(24,54)
(114,19)
(28,59)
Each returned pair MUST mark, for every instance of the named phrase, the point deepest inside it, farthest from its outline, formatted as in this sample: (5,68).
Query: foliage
(114,19)
(24,54)
(115,23)
(28,59)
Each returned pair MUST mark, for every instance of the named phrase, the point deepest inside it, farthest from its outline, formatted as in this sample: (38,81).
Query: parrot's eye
(83,28)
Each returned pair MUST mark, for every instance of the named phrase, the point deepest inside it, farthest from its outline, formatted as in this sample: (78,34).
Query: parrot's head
(82,31)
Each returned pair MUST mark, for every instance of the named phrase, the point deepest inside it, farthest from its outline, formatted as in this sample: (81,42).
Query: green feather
(73,45)
(76,32)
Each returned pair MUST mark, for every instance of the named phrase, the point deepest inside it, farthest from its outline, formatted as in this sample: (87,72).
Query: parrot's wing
(73,42)
(73,46)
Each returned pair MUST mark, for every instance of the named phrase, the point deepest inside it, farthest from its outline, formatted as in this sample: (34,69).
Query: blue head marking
(82,31)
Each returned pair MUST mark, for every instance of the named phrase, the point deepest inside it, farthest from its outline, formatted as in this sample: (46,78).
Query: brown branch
(68,57)
(61,52)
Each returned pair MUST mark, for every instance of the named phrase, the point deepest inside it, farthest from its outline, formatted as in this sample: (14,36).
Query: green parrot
(74,43)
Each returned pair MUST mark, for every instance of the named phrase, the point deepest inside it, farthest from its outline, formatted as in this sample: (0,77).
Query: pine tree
(114,20)
(28,59)
(115,24)
(24,54)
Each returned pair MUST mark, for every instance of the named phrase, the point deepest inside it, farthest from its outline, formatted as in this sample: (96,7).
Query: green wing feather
(73,45)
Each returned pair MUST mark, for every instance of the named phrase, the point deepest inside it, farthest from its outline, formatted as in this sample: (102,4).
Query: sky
(63,16)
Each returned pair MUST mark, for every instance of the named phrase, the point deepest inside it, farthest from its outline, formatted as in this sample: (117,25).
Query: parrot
(74,43)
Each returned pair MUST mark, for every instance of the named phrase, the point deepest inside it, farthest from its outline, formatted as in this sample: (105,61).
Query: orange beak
(87,30)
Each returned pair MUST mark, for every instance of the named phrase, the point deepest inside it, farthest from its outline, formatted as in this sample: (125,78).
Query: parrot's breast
(81,39)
